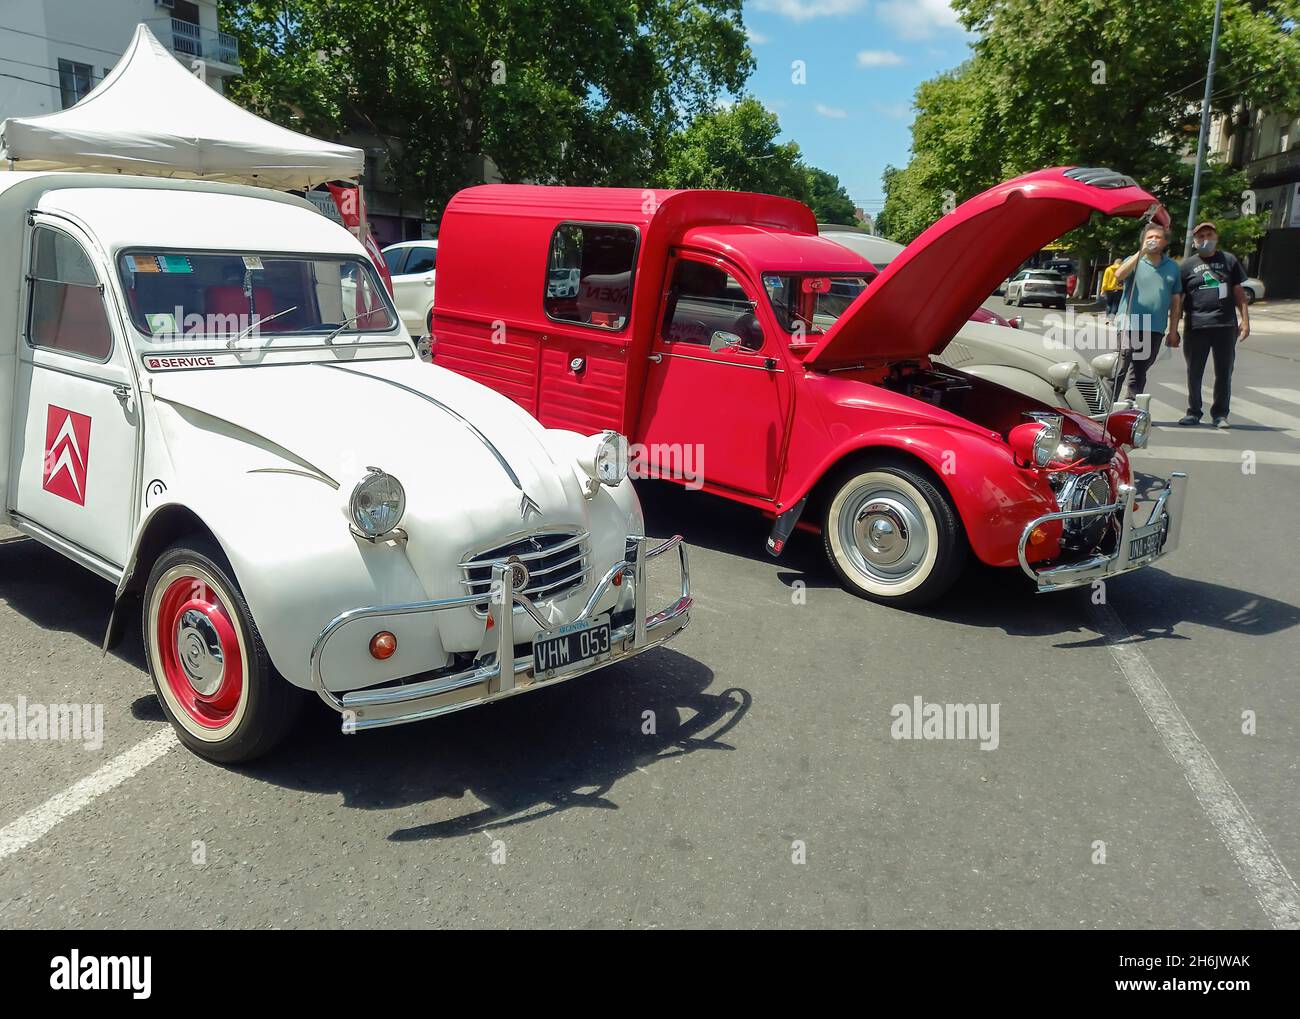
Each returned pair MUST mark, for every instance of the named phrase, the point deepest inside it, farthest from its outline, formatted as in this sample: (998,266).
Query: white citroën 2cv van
(212,404)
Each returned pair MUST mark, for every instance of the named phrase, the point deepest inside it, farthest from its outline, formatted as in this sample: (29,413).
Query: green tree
(583,92)
(734,148)
(828,198)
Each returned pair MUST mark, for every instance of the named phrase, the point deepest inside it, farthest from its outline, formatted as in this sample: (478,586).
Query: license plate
(1147,544)
(571,647)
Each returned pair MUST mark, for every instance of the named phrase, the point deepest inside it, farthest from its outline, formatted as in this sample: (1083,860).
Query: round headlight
(1141,429)
(605,460)
(377,503)
(1045,444)
(1062,374)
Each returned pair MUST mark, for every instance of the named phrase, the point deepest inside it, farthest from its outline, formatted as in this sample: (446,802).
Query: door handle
(656,358)
(123,393)
(428,283)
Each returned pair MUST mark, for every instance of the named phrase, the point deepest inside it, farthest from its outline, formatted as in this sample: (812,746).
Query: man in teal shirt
(1150,308)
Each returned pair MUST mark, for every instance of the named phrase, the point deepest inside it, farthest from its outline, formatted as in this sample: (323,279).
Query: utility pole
(1205,129)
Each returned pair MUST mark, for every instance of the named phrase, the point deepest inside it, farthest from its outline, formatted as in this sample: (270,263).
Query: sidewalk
(1277,318)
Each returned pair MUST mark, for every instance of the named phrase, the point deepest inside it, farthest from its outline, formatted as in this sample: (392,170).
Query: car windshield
(808,304)
(200,296)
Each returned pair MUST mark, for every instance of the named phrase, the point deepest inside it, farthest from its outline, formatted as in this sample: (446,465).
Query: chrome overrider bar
(1166,516)
(394,705)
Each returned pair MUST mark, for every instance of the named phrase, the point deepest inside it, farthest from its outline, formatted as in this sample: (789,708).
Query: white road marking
(1165,414)
(1274,887)
(1225,456)
(1286,395)
(36,823)
(1256,412)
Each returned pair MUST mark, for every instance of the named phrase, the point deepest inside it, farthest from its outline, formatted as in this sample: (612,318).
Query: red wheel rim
(199,652)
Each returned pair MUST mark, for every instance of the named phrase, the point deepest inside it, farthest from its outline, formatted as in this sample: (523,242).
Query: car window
(393,259)
(66,309)
(197,296)
(589,274)
(704,300)
(420,260)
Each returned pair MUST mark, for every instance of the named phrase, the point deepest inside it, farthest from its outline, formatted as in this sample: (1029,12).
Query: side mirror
(1105,364)
(724,341)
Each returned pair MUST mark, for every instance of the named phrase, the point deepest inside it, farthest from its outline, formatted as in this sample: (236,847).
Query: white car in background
(412,265)
(1016,358)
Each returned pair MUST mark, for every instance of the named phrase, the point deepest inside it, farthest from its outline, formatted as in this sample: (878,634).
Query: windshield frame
(783,318)
(220,342)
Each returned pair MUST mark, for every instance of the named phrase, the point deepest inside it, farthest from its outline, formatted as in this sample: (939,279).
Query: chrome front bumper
(1166,516)
(486,679)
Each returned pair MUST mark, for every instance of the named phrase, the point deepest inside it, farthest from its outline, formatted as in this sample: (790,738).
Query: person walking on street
(1111,288)
(1217,320)
(1152,303)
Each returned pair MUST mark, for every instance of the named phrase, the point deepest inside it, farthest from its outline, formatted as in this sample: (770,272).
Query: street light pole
(1205,128)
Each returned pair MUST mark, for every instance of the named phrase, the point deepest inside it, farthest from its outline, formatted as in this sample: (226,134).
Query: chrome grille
(557,564)
(1090,390)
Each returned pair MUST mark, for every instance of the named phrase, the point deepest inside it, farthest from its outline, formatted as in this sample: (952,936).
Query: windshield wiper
(257,325)
(343,325)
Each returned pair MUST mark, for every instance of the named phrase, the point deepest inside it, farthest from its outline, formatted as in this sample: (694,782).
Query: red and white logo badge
(67,454)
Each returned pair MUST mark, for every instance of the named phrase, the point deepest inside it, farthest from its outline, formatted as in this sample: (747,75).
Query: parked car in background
(413,265)
(717,329)
(1254,290)
(1036,286)
(209,402)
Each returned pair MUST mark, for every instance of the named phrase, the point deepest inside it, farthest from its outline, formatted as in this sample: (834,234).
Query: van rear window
(589,274)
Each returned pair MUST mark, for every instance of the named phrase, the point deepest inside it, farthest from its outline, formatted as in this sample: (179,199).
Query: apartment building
(53,52)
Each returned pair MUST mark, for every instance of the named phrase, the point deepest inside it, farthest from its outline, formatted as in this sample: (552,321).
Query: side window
(705,300)
(393,259)
(66,310)
(589,274)
(421,260)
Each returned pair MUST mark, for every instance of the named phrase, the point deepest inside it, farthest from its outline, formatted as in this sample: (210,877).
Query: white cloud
(919,19)
(898,111)
(879,58)
(755,38)
(834,112)
(806,10)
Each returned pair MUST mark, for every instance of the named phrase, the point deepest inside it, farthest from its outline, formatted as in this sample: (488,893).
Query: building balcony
(1279,168)
(191,42)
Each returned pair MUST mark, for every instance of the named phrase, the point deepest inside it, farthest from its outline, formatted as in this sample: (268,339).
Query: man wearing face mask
(1217,320)
(1152,302)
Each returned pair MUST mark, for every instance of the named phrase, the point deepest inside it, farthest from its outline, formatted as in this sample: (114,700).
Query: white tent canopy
(149,115)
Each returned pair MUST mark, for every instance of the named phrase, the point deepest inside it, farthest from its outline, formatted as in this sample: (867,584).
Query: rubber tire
(273,702)
(952,547)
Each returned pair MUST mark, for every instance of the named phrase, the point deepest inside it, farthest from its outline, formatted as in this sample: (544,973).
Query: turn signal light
(383,645)
(1037,536)
(618,579)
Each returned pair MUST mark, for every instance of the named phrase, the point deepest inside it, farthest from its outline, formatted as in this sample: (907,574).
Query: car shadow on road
(985,596)
(57,594)
(522,759)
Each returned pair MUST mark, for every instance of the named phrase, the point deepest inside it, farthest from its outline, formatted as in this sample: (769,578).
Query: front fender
(994,497)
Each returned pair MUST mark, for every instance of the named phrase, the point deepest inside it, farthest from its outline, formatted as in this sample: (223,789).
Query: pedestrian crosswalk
(1279,419)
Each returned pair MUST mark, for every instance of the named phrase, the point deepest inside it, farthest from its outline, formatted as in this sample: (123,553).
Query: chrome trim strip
(473,429)
(578,535)
(729,364)
(66,546)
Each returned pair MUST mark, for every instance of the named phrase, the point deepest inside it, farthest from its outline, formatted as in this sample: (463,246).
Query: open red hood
(927,293)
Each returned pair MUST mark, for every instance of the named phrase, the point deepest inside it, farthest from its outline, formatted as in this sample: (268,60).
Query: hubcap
(199,649)
(883,532)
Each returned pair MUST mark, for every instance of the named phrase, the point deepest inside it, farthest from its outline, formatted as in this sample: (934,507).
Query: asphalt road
(1119,732)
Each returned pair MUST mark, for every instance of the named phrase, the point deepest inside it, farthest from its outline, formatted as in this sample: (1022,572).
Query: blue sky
(863,61)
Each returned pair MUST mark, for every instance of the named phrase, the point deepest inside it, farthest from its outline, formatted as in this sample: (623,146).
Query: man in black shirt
(1217,320)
